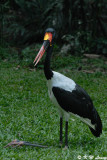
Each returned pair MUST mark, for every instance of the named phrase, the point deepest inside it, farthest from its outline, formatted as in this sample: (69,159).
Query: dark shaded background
(79,23)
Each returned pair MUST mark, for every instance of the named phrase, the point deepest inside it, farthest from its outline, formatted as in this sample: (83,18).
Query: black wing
(79,102)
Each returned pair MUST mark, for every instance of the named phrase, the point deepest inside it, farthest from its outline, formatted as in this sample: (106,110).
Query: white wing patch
(85,120)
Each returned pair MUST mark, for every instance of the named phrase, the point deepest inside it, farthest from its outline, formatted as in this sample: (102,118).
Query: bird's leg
(66,134)
(61,122)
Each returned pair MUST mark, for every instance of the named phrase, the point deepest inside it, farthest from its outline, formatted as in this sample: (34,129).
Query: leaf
(92,56)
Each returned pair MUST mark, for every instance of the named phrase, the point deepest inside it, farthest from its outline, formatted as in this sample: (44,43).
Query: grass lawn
(26,112)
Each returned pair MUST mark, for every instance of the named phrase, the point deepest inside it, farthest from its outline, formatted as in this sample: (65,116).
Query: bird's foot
(15,143)
(66,147)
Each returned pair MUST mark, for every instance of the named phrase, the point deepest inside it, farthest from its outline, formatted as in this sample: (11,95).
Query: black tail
(98,125)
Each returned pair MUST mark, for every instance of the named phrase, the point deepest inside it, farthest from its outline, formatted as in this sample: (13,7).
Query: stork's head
(48,42)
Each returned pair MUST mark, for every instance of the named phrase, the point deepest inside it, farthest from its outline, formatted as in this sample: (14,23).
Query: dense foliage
(80,23)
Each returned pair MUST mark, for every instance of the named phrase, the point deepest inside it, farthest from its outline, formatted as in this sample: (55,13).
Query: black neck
(48,72)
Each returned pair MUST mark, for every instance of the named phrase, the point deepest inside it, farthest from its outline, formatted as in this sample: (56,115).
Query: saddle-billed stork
(70,98)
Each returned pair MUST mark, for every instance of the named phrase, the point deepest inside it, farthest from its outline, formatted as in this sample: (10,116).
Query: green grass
(26,112)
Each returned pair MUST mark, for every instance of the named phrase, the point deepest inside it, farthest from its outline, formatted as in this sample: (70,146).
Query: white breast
(61,81)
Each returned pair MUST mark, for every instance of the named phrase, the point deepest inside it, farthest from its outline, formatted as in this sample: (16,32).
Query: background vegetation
(80,23)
